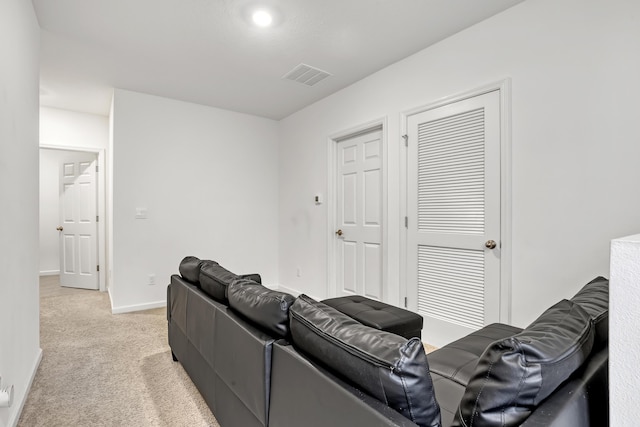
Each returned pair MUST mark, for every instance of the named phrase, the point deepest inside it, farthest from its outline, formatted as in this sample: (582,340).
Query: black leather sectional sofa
(260,357)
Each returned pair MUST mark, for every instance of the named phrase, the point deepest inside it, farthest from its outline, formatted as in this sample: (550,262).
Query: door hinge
(97,218)
(97,268)
(406,140)
(96,168)
(405,302)
(406,222)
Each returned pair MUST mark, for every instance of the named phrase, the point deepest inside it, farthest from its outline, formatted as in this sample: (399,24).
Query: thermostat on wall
(141,213)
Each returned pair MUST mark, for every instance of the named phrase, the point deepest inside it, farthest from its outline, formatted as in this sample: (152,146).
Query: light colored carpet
(100,369)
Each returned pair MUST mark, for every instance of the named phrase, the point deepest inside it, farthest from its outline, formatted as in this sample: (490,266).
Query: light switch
(141,213)
(318,199)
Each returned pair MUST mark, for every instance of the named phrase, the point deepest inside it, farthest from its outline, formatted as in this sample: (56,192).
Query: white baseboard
(13,421)
(137,307)
(50,272)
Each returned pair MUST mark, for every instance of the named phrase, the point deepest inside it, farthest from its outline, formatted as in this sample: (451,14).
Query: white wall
(624,323)
(49,211)
(208,178)
(574,66)
(19,80)
(69,129)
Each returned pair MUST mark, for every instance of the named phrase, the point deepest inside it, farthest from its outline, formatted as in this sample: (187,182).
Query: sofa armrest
(583,400)
(242,354)
(177,304)
(169,303)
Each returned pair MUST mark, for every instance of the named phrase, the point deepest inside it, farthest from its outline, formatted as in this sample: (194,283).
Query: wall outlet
(6,395)
(152,279)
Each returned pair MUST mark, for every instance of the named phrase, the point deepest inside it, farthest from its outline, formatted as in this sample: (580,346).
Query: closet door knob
(490,244)
(339,233)
(59,228)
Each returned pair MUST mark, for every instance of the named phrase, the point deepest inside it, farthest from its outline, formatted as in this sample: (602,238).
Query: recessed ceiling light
(262,18)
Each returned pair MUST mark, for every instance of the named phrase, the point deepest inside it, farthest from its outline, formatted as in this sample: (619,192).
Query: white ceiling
(206,52)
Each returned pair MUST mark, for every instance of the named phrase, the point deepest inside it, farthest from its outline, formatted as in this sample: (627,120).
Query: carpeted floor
(100,369)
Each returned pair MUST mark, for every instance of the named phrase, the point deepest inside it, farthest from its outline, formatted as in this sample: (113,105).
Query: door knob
(59,228)
(490,244)
(339,233)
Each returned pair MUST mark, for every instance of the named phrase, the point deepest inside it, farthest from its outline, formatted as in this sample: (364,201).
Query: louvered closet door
(453,205)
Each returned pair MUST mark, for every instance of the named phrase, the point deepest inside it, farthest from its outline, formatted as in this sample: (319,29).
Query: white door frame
(332,142)
(504,87)
(102,234)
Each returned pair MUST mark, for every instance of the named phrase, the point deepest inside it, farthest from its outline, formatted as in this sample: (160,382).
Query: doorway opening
(72,216)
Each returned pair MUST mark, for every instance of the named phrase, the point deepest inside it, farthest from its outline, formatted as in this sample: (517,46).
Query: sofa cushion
(265,307)
(457,360)
(190,269)
(389,367)
(214,280)
(515,374)
(594,298)
(452,366)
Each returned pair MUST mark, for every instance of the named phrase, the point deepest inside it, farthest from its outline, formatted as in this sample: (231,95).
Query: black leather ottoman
(379,315)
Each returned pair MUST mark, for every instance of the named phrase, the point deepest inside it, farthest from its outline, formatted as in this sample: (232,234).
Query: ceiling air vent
(306,74)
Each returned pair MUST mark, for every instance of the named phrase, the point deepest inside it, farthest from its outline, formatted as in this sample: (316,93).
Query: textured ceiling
(206,51)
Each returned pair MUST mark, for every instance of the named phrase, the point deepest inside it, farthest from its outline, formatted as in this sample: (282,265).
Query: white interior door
(359,216)
(78,227)
(453,201)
